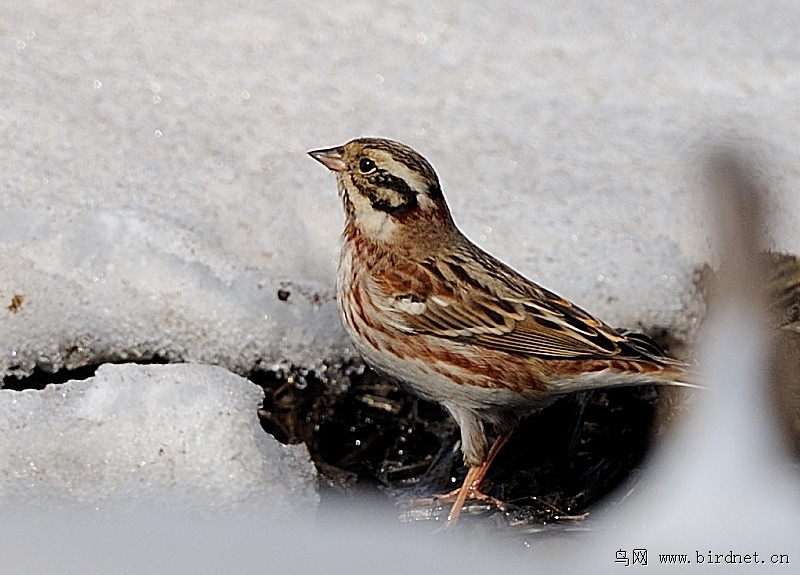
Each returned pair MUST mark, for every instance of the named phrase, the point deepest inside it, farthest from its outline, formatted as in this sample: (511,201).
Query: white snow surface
(155,196)
(180,438)
(156,193)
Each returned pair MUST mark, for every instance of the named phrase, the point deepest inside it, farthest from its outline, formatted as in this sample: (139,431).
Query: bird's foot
(451,496)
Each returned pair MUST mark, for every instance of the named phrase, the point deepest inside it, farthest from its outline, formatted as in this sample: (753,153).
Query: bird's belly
(447,382)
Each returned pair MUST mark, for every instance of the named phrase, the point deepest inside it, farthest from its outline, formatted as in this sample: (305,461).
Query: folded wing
(497,308)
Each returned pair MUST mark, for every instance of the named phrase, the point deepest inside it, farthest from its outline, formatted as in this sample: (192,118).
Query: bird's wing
(495,307)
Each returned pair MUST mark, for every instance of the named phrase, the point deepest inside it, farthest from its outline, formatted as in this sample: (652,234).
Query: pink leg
(473,480)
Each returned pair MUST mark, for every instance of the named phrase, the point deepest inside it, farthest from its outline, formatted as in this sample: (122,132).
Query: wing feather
(495,307)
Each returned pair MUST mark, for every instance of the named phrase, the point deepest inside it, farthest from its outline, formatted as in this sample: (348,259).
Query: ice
(181,438)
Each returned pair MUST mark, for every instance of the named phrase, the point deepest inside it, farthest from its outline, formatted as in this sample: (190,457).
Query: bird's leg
(473,480)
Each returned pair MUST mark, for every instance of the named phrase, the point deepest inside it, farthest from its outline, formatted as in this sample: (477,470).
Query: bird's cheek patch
(391,195)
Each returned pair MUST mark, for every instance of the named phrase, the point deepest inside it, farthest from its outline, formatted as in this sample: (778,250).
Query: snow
(156,191)
(156,196)
(180,438)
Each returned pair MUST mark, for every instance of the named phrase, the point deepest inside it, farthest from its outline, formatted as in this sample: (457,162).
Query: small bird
(424,305)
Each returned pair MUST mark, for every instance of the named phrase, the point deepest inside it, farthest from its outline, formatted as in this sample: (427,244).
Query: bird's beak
(332,158)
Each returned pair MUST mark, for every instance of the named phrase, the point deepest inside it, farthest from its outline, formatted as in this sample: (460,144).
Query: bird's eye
(366,165)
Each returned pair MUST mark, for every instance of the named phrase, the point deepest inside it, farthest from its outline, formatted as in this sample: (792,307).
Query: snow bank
(177,438)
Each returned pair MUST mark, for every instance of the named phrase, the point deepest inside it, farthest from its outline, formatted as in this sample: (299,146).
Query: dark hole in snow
(40,378)
(372,440)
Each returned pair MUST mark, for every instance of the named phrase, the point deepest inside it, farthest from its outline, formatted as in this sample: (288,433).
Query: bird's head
(386,187)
